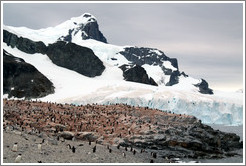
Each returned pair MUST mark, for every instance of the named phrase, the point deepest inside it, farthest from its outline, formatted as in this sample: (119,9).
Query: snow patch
(168,65)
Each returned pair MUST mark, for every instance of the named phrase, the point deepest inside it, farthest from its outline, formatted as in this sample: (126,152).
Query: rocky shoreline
(144,135)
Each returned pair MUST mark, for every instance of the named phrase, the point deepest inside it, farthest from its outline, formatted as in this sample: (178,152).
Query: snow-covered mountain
(84,68)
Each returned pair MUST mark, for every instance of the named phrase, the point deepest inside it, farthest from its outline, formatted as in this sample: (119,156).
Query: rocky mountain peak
(83,19)
(84,27)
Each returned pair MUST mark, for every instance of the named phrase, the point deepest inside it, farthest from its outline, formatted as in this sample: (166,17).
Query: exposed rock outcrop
(21,79)
(144,55)
(68,55)
(203,87)
(136,73)
(23,44)
(88,30)
(76,58)
(150,56)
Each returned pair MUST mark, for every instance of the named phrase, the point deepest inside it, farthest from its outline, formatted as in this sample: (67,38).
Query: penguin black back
(154,154)
(73,149)
(94,149)
(134,152)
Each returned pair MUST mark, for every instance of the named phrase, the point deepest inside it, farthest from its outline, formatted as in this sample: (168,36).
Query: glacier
(209,112)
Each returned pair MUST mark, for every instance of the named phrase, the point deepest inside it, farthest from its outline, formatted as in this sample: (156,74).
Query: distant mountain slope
(84,31)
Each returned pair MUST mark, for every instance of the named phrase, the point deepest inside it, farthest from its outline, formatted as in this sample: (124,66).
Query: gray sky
(206,38)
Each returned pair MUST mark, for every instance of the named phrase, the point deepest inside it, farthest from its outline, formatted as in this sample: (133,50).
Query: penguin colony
(109,121)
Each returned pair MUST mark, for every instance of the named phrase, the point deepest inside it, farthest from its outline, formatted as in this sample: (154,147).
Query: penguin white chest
(39,146)
(18,158)
(14,149)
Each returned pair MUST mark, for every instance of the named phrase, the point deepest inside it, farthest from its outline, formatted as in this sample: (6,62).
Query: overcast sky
(206,38)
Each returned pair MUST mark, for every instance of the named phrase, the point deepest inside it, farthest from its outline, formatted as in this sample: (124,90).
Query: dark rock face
(136,74)
(68,55)
(92,31)
(23,44)
(143,55)
(174,78)
(21,79)
(195,141)
(75,57)
(203,87)
(89,30)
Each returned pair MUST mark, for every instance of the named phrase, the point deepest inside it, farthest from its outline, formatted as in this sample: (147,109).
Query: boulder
(87,136)
(67,135)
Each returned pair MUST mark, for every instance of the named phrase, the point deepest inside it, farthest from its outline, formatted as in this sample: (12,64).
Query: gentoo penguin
(69,146)
(73,149)
(124,155)
(18,158)
(40,145)
(151,161)
(14,149)
(94,149)
(118,147)
(134,152)
(110,150)
(154,154)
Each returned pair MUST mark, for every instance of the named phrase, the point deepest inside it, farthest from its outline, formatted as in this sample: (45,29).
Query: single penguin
(39,146)
(73,149)
(94,149)
(124,155)
(14,149)
(18,158)
(134,152)
(69,146)
(154,154)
